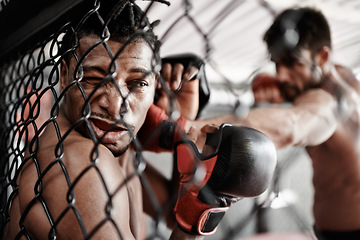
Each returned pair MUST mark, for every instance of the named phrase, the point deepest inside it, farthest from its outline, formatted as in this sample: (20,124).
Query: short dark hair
(124,23)
(297,28)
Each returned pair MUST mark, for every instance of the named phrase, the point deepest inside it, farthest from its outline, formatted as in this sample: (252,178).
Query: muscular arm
(162,189)
(309,121)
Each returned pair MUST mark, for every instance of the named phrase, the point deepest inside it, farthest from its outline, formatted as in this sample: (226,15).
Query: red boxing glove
(158,133)
(266,89)
(241,166)
(192,214)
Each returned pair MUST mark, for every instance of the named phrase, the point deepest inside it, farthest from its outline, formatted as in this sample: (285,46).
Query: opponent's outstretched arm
(309,121)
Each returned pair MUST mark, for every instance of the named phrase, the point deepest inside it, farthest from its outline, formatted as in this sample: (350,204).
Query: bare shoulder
(348,76)
(77,180)
(317,96)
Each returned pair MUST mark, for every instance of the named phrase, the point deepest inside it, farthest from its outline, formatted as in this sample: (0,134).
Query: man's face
(296,73)
(118,105)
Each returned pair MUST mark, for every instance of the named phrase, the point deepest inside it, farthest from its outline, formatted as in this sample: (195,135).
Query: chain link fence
(30,103)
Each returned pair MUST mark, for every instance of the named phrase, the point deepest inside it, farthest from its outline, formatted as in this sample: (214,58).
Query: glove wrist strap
(209,220)
(171,132)
(196,217)
(206,224)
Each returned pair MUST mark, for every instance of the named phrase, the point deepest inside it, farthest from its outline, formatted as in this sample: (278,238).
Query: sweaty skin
(336,162)
(114,155)
(107,166)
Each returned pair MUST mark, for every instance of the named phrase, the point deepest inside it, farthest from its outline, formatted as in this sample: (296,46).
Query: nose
(282,74)
(113,100)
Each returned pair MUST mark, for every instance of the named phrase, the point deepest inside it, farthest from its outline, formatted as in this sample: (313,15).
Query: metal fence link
(30,102)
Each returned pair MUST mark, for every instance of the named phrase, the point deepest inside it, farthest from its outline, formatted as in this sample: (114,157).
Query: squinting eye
(91,80)
(142,84)
(137,83)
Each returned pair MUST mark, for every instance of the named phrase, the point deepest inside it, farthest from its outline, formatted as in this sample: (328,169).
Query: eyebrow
(105,72)
(142,70)
(94,68)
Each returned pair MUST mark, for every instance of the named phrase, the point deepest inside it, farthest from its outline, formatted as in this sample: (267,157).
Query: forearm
(309,121)
(276,123)
(159,195)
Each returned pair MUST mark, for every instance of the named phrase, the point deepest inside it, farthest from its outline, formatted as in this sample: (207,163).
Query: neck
(131,162)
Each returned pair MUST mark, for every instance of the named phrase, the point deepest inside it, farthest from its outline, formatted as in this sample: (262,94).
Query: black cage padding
(23,23)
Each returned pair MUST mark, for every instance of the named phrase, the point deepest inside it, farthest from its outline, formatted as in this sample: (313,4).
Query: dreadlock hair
(122,22)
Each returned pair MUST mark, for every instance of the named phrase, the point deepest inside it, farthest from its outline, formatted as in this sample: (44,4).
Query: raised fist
(266,89)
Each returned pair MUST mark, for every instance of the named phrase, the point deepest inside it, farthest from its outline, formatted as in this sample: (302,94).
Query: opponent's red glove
(266,89)
(242,166)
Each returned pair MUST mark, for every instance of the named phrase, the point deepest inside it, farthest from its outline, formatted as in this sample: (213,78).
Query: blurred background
(233,52)
(235,30)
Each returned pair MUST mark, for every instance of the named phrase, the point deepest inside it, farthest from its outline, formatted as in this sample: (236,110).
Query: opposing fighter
(323,116)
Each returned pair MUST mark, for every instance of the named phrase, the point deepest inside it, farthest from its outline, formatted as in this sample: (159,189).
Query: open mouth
(104,126)
(108,132)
